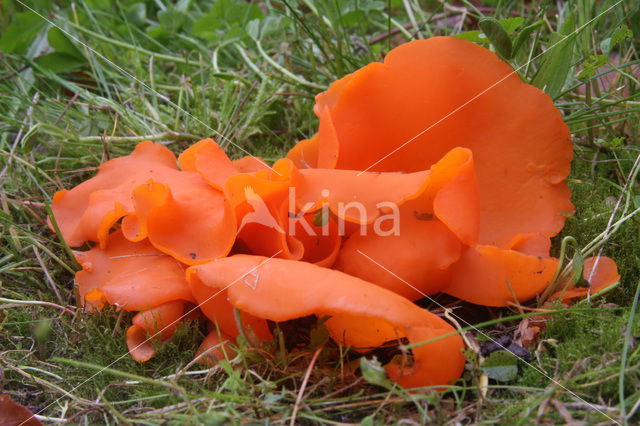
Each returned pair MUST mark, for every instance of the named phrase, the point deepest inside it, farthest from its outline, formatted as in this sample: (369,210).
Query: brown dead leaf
(13,414)
(527,332)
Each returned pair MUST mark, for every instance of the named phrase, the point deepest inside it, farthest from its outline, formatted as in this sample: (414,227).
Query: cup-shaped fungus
(404,115)
(177,211)
(281,290)
(443,138)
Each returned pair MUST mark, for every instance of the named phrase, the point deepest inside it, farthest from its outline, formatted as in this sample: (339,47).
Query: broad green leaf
(511,24)
(21,32)
(557,59)
(497,35)
(207,26)
(524,35)
(374,373)
(60,62)
(59,41)
(223,15)
(474,36)
(501,366)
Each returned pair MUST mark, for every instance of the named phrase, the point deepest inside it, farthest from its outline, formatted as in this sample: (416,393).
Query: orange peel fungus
(437,170)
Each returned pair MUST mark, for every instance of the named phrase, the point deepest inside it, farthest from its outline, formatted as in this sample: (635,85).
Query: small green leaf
(351,13)
(136,13)
(235,32)
(272,398)
(501,366)
(367,421)
(511,24)
(614,144)
(474,36)
(497,35)
(182,5)
(207,26)
(557,59)
(524,35)
(253,29)
(576,270)
(157,32)
(321,218)
(273,24)
(319,334)
(59,41)
(591,65)
(374,373)
(29,140)
(617,36)
(223,15)
(42,332)
(172,18)
(213,418)
(21,32)
(60,62)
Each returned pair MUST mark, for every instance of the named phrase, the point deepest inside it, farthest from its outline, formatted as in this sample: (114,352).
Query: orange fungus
(275,294)
(436,171)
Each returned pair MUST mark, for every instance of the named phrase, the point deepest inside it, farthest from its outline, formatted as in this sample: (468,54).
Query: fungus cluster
(437,170)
